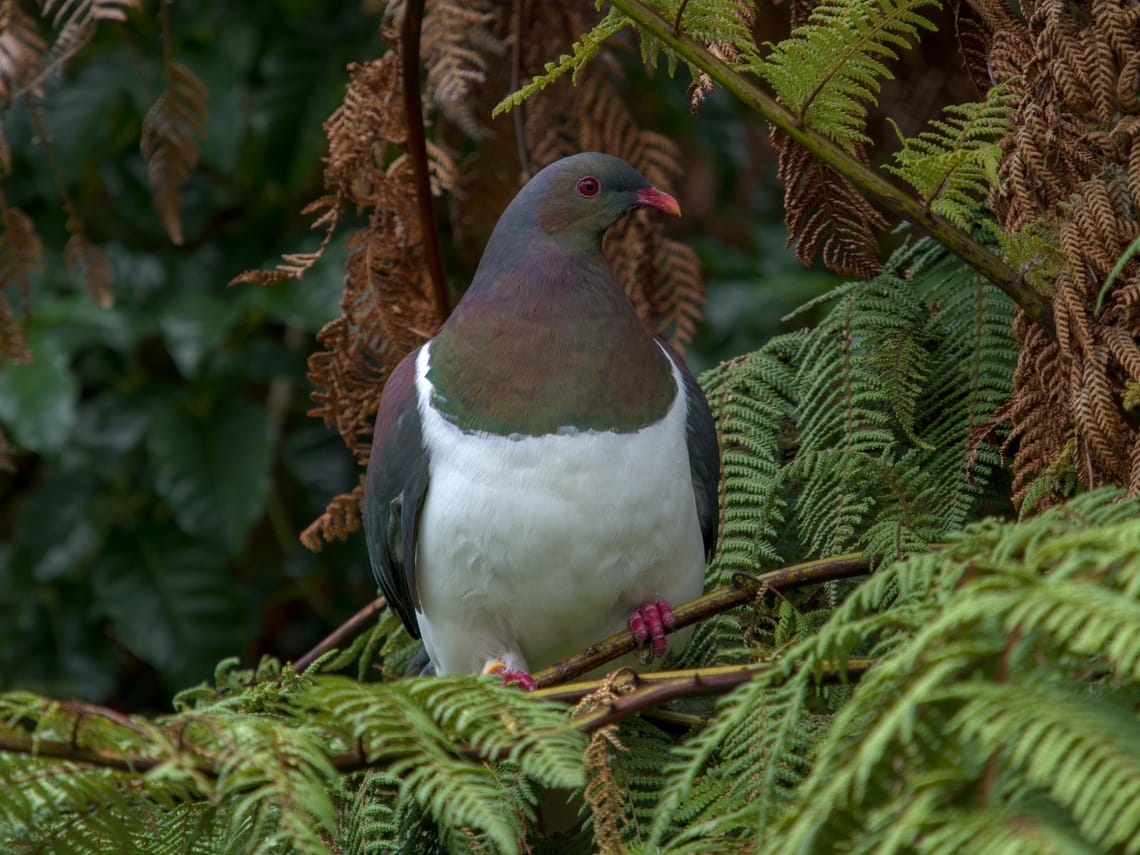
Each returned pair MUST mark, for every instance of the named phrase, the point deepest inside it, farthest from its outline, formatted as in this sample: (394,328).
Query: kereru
(543,471)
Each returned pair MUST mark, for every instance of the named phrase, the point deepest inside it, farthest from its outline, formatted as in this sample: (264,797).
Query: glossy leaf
(213,470)
(171,601)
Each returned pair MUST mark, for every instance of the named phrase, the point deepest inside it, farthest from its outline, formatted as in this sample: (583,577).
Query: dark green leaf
(196,323)
(171,601)
(55,528)
(37,401)
(213,471)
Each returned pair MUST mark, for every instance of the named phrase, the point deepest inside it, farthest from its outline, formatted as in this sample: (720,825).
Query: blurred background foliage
(162,463)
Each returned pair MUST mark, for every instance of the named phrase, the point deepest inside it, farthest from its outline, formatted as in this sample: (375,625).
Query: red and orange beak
(651,197)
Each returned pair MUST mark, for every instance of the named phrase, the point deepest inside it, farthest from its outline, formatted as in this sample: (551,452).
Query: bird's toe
(649,623)
(510,676)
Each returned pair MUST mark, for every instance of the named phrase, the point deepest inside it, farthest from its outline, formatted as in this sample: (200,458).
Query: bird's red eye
(588,186)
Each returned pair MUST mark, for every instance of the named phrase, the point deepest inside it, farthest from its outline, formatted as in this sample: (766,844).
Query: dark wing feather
(704,453)
(394,490)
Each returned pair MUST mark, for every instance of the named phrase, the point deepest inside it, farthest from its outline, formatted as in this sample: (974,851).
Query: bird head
(585,194)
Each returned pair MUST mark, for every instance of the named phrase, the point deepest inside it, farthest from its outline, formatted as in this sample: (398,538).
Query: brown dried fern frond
(21,49)
(21,255)
(77,21)
(825,214)
(387,308)
(608,800)
(340,519)
(169,143)
(326,212)
(744,15)
(90,263)
(1072,160)
(460,42)
(603,793)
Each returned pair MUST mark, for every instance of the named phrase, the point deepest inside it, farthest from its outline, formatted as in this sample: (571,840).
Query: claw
(649,622)
(510,676)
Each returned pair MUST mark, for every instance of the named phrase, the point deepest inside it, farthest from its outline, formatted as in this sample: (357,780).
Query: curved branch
(873,186)
(744,589)
(417,151)
(642,692)
(349,629)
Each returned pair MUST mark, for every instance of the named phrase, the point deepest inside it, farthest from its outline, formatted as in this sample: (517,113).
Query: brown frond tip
(604,794)
(294,265)
(340,519)
(824,211)
(21,255)
(21,48)
(91,264)
(170,133)
(13,341)
(461,40)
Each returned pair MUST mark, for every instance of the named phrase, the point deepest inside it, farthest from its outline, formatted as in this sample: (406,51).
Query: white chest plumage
(530,548)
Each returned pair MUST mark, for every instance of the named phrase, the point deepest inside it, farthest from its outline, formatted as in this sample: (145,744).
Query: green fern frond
(982,627)
(1034,251)
(412,724)
(367,821)
(828,71)
(953,165)
(582,51)
(1081,749)
(710,21)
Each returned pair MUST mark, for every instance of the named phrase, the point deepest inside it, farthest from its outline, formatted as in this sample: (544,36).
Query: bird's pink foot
(649,623)
(510,676)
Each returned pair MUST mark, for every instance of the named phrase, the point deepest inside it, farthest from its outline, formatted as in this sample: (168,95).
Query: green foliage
(1003,692)
(707,21)
(1035,251)
(953,165)
(163,460)
(258,770)
(1003,696)
(830,69)
(38,400)
(857,434)
(1000,710)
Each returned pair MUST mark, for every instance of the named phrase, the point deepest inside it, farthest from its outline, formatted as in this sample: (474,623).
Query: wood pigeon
(543,471)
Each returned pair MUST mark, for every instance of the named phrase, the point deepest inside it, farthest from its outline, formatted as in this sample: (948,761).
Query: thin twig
(518,117)
(713,603)
(417,151)
(680,14)
(744,589)
(873,186)
(347,630)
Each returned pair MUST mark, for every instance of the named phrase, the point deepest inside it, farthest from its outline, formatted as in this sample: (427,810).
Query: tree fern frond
(1082,749)
(712,22)
(414,723)
(169,143)
(953,165)
(21,49)
(830,69)
(21,252)
(982,635)
(582,51)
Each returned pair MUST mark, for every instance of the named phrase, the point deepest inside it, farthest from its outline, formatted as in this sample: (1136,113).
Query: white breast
(530,548)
